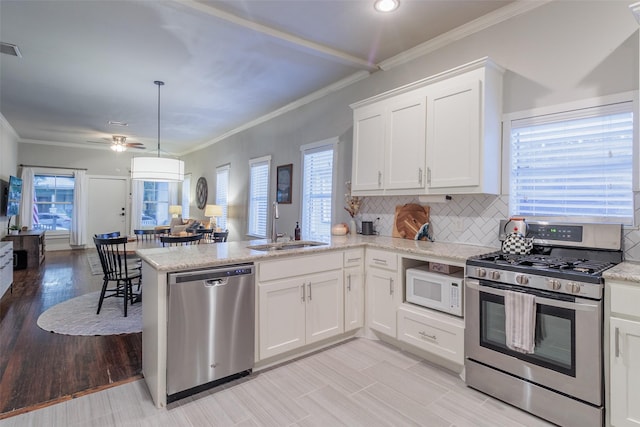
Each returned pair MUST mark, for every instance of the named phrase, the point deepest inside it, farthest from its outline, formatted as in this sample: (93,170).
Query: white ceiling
(225,63)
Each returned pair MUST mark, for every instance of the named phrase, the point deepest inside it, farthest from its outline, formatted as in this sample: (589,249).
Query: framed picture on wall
(283,191)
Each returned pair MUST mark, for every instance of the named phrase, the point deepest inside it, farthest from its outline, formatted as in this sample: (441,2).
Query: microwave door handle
(582,306)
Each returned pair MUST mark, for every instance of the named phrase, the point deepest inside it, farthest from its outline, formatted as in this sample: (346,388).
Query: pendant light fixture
(157,168)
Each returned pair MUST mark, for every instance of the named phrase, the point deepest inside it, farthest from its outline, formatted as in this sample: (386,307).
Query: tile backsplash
(470,219)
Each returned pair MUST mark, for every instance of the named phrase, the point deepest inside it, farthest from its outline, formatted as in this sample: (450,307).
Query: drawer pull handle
(425,335)
(353,259)
(380,261)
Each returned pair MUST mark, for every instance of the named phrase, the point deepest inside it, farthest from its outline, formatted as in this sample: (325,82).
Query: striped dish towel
(520,321)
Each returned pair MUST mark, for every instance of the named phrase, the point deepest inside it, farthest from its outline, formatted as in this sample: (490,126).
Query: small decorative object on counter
(339,229)
(353,228)
(296,232)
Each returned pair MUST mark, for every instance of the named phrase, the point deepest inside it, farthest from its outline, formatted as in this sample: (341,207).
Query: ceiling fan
(119,143)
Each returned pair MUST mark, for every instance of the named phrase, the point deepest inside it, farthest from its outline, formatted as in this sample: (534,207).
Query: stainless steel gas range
(559,376)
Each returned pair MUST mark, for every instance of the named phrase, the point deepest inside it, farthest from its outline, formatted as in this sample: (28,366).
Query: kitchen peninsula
(342,263)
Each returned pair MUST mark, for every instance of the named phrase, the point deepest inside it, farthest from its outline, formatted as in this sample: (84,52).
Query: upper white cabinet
(439,135)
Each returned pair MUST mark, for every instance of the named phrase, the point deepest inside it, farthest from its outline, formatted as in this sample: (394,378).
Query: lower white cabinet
(353,289)
(300,310)
(624,360)
(6,266)
(383,291)
(437,333)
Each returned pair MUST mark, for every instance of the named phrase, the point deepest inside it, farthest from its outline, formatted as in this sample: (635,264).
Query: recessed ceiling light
(386,5)
(115,123)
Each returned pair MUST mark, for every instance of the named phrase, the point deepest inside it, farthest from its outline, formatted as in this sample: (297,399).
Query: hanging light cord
(159,83)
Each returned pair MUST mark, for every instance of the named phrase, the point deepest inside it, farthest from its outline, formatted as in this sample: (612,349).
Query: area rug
(77,316)
(94,263)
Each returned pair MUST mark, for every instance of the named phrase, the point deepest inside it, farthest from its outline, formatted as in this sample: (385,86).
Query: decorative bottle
(353,228)
(297,231)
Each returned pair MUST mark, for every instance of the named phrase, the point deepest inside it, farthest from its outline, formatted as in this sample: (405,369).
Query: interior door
(107,205)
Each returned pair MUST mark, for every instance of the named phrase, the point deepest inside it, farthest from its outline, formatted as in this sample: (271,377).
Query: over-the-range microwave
(437,291)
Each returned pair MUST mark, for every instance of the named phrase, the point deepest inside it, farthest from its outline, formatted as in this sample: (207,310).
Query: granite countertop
(627,271)
(210,255)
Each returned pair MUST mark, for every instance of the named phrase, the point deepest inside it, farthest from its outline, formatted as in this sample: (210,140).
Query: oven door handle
(582,306)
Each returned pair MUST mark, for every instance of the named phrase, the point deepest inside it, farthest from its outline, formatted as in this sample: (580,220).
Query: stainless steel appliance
(210,328)
(562,379)
(437,291)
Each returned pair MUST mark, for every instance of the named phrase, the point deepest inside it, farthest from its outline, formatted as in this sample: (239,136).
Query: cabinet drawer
(624,298)
(353,257)
(382,259)
(432,332)
(298,266)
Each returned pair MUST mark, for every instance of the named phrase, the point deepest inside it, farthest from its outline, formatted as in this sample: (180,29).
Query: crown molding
(6,125)
(479,24)
(289,107)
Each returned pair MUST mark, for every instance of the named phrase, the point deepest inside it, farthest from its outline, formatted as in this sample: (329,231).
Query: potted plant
(14,229)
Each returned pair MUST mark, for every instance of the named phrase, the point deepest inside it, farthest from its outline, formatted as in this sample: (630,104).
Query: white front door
(107,205)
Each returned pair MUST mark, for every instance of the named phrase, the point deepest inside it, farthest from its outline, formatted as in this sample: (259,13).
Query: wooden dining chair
(192,239)
(220,236)
(118,269)
(107,235)
(145,235)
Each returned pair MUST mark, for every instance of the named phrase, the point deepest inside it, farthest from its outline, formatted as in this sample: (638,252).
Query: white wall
(8,159)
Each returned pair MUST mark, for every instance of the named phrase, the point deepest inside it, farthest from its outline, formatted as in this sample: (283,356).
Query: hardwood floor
(39,368)
(358,383)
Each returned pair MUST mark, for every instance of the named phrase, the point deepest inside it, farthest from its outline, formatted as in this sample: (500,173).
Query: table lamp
(175,211)
(213,211)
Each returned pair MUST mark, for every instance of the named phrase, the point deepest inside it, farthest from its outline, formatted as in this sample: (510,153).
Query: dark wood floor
(38,368)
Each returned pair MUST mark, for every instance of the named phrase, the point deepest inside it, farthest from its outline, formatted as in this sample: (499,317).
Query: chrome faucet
(274,230)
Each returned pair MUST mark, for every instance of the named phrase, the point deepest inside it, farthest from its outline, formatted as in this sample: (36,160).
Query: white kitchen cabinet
(464,132)
(6,266)
(624,354)
(389,145)
(439,135)
(299,310)
(353,289)
(437,333)
(368,149)
(383,291)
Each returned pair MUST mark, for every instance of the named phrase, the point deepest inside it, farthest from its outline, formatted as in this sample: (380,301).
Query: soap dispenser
(297,231)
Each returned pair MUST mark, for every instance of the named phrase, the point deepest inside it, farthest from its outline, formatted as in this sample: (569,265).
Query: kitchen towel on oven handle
(520,321)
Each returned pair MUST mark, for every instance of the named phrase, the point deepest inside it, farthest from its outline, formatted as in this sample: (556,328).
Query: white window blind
(259,196)
(186,188)
(574,165)
(222,191)
(317,191)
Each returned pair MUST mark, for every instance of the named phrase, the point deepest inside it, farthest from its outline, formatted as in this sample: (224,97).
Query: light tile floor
(358,383)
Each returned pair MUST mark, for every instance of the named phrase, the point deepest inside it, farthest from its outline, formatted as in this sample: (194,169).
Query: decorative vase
(353,229)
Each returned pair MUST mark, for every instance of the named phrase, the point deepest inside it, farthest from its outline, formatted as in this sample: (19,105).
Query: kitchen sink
(283,246)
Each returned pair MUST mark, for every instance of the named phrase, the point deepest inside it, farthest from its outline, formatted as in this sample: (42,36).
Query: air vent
(10,49)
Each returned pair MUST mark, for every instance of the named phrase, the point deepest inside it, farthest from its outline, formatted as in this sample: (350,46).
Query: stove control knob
(574,288)
(481,272)
(521,279)
(554,284)
(495,275)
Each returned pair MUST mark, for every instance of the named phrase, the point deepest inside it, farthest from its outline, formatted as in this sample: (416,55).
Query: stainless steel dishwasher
(210,328)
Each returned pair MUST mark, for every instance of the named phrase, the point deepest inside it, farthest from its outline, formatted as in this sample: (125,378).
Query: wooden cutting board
(408,220)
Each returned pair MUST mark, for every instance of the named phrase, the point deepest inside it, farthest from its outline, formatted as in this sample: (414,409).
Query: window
(575,165)
(155,203)
(186,189)
(222,191)
(53,207)
(259,196)
(317,190)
